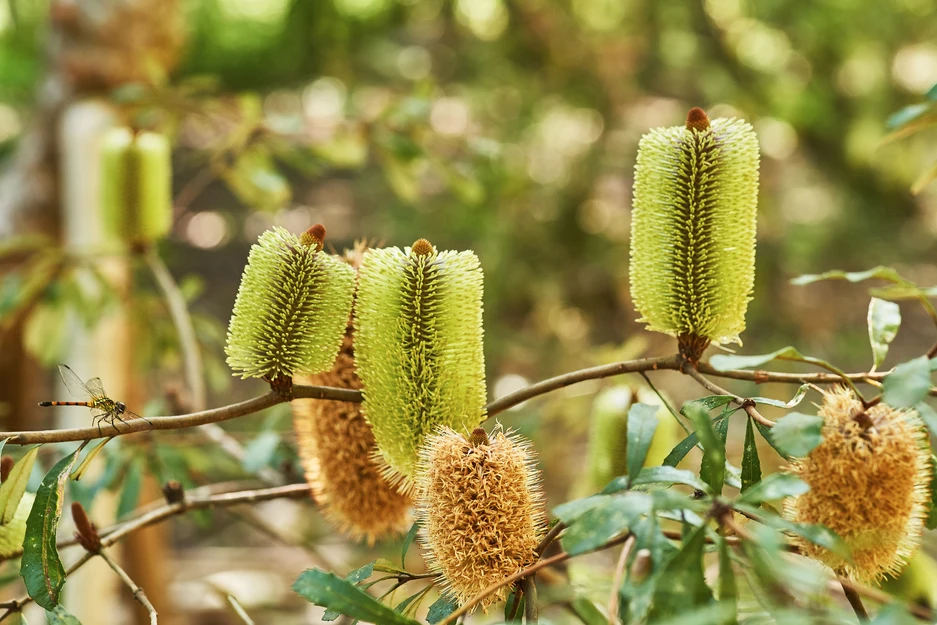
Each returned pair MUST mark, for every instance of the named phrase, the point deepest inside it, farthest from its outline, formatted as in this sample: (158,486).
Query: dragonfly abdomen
(67,403)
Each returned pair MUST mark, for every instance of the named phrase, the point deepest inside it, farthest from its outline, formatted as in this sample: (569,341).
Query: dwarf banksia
(480,506)
(869,482)
(335,446)
(418,319)
(291,307)
(137,185)
(693,230)
(13,532)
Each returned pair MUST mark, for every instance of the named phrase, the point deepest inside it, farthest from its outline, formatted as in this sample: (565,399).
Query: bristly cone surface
(419,349)
(335,446)
(480,506)
(291,308)
(870,486)
(693,229)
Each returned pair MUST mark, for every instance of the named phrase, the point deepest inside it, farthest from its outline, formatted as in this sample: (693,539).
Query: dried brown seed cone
(870,486)
(336,447)
(481,510)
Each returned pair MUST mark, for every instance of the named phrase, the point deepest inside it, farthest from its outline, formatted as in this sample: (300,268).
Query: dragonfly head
(121,407)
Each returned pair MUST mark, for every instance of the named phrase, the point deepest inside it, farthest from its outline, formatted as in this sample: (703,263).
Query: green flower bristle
(418,321)
(291,308)
(693,229)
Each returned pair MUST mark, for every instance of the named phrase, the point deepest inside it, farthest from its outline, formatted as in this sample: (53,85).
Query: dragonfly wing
(95,387)
(74,384)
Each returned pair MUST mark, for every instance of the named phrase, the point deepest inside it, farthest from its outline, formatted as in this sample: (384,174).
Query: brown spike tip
(697,119)
(422,247)
(87,533)
(478,437)
(314,236)
(6,465)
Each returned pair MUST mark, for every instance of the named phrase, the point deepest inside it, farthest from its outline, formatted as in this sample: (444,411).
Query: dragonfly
(103,408)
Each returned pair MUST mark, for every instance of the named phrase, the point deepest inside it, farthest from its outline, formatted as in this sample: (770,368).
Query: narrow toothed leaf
(693,228)
(418,321)
(291,308)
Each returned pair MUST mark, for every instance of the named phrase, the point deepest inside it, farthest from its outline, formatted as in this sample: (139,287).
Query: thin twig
(138,593)
(241,613)
(550,537)
(574,377)
(617,579)
(746,404)
(932,352)
(531,604)
(213,415)
(856,602)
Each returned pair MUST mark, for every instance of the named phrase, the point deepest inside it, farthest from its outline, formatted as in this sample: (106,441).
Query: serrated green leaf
(775,486)
(751,463)
(894,614)
(404,606)
(713,466)
(78,473)
(817,534)
(605,521)
(330,591)
(907,115)
(642,423)
(441,608)
(41,567)
(407,541)
(684,588)
(59,616)
(587,612)
(766,434)
(884,319)
(881,272)
(712,402)
(658,475)
(728,589)
(572,510)
(386,566)
(908,384)
(797,434)
(360,574)
(679,452)
(777,403)
(928,416)
(11,491)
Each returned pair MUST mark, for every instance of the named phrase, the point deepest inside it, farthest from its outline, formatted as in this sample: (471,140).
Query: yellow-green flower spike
(291,308)
(418,322)
(693,230)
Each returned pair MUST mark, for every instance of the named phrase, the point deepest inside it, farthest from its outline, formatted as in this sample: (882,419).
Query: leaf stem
(138,593)
(747,404)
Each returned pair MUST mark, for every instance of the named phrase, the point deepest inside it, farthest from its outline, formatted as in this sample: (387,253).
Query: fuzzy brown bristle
(421,247)
(480,509)
(6,465)
(870,485)
(697,119)
(336,445)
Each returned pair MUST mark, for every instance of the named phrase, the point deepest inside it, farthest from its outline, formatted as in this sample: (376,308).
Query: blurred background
(508,127)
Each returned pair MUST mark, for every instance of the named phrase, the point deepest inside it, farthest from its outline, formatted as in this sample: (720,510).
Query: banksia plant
(136,185)
(480,507)
(291,308)
(418,322)
(693,230)
(13,532)
(335,446)
(869,482)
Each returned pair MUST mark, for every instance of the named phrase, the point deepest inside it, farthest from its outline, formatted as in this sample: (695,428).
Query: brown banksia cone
(869,482)
(336,447)
(480,506)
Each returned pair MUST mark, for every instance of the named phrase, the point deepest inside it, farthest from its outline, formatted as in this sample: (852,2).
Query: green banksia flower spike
(480,506)
(418,321)
(693,230)
(291,308)
(137,185)
(869,482)
(13,532)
